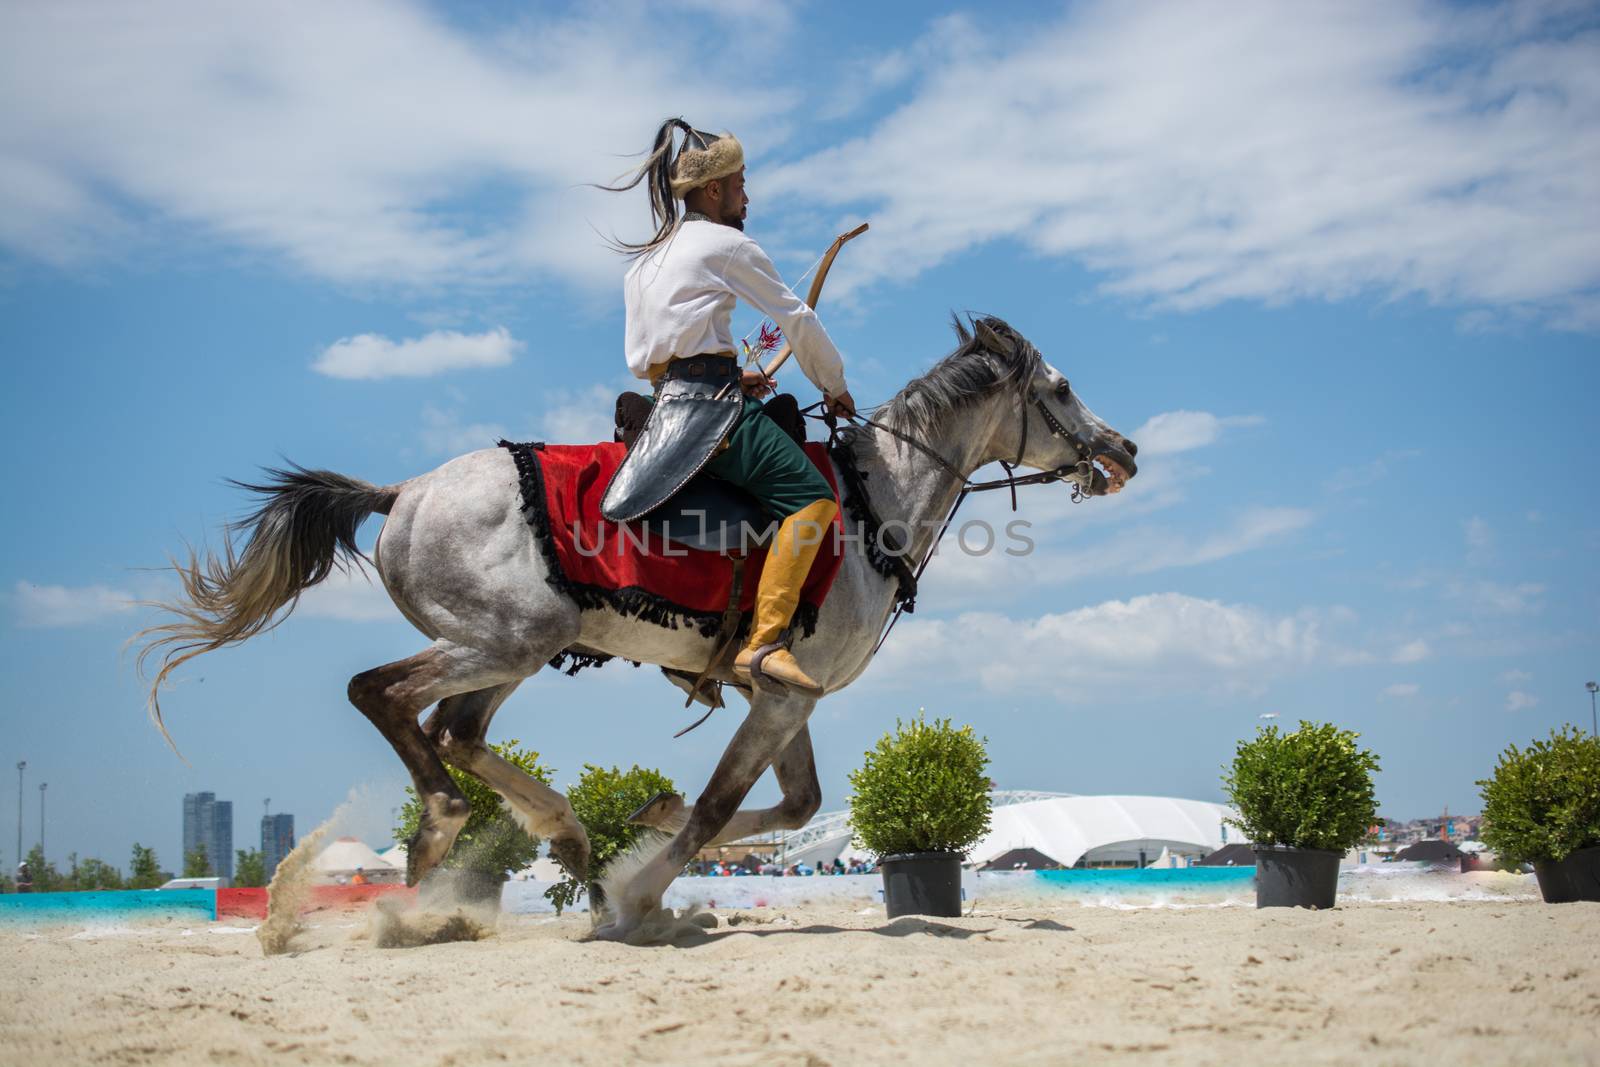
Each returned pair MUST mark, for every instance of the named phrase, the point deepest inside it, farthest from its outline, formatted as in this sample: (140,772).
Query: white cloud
(1401,690)
(1514,676)
(958,575)
(579,417)
(351,141)
(1497,598)
(1411,652)
(371,355)
(445,434)
(1479,537)
(45,606)
(1517,700)
(1159,486)
(356,595)
(1183,431)
(570,417)
(1365,474)
(1253,529)
(1197,153)
(1162,641)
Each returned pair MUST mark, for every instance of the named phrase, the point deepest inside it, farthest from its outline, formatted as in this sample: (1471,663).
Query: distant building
(277,841)
(208,821)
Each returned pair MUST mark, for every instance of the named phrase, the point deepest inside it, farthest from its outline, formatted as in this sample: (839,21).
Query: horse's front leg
(796,769)
(774,720)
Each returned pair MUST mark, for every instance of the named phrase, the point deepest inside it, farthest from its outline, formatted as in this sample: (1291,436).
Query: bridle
(1081,472)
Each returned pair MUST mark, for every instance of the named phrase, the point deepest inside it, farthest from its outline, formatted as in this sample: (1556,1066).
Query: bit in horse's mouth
(1110,474)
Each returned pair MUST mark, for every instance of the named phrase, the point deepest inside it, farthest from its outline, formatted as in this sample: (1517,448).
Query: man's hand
(756,384)
(841,406)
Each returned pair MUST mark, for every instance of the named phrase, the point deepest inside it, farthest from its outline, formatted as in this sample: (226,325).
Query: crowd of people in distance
(752,866)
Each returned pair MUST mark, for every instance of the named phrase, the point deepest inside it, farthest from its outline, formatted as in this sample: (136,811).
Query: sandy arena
(1438,983)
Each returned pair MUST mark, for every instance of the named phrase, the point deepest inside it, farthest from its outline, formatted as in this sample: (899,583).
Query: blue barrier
(199,904)
(1151,878)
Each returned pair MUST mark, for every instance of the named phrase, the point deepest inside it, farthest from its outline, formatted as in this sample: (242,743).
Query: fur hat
(705,158)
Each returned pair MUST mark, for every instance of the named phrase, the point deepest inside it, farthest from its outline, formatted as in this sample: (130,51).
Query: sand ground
(1436,983)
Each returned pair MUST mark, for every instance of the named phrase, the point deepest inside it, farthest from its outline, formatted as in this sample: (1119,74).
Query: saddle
(708,513)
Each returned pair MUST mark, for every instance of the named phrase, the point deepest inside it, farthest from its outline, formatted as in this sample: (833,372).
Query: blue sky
(1333,266)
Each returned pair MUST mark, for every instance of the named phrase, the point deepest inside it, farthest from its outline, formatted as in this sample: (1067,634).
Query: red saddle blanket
(622,566)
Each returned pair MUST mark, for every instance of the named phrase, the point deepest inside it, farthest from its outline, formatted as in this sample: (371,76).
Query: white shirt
(680,298)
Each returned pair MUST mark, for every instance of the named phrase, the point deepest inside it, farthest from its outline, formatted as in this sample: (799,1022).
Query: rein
(906,595)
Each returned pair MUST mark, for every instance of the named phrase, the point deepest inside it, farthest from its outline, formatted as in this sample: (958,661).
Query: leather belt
(711,366)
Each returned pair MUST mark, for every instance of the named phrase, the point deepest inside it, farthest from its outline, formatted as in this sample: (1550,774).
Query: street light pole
(42,787)
(1592,688)
(22,765)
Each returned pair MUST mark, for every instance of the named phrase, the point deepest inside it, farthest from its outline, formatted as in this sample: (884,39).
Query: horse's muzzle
(1113,468)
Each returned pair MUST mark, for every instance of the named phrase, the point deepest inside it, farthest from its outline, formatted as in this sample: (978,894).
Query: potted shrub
(603,800)
(1543,807)
(919,802)
(1304,799)
(491,846)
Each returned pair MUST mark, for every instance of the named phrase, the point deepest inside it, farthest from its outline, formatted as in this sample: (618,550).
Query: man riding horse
(468,554)
(679,295)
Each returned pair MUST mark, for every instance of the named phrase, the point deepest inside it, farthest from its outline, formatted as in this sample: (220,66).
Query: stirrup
(754,671)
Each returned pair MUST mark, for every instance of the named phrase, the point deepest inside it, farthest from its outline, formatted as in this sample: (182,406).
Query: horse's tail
(305,527)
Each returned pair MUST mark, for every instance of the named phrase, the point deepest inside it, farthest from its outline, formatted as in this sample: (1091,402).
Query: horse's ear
(962,333)
(993,341)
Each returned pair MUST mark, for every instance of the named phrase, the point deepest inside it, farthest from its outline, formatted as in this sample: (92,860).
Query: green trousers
(766,463)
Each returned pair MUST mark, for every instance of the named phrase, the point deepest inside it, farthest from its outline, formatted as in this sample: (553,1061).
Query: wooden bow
(816,292)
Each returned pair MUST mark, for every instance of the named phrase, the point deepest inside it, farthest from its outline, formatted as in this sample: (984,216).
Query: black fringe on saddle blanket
(632,601)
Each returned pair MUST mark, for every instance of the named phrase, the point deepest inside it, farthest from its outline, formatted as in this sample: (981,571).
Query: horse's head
(1050,427)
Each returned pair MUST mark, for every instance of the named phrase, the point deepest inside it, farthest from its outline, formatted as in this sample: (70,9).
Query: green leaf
(602,800)
(923,788)
(1543,802)
(1311,788)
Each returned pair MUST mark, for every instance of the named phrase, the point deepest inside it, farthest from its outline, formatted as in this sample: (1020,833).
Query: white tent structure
(543,869)
(1099,830)
(346,856)
(1105,830)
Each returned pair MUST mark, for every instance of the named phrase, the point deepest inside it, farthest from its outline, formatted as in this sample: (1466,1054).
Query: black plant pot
(922,883)
(1296,877)
(1575,878)
(447,887)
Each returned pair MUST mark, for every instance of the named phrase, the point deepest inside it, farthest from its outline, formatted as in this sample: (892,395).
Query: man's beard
(735,221)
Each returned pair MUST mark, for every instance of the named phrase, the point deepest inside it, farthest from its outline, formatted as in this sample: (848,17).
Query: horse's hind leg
(392,696)
(458,727)
(796,770)
(773,721)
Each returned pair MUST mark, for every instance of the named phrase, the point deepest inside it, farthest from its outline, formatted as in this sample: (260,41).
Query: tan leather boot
(794,548)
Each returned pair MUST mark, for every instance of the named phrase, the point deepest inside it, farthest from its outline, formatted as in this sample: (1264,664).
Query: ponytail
(655,174)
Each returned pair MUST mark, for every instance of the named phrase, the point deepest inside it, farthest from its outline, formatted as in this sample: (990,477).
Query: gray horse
(461,564)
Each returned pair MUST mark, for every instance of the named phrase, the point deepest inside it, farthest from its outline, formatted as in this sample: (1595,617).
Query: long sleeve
(753,279)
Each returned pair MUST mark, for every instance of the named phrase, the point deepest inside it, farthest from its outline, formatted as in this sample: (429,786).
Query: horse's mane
(966,375)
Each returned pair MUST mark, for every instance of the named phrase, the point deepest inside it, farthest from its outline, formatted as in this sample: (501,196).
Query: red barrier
(241,903)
